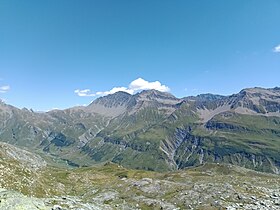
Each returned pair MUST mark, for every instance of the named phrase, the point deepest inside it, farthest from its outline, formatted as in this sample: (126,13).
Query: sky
(59,54)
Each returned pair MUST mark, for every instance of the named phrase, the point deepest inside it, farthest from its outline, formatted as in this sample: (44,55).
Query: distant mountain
(205,97)
(111,105)
(153,130)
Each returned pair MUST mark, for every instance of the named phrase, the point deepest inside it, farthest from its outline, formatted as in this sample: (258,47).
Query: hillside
(155,131)
(109,186)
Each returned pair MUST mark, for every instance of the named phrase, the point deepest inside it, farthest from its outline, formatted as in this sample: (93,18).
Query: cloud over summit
(141,84)
(135,86)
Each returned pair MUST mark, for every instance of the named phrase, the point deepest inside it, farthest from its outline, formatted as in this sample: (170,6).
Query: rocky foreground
(29,182)
(211,186)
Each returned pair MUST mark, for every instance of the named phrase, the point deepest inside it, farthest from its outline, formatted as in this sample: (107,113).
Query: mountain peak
(119,93)
(258,91)
(115,99)
(111,105)
(156,94)
(205,97)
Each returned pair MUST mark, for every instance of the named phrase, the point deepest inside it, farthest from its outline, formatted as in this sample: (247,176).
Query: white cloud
(277,49)
(114,90)
(85,92)
(141,84)
(135,86)
(4,89)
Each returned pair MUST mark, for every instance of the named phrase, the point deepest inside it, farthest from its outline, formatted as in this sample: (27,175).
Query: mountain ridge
(152,130)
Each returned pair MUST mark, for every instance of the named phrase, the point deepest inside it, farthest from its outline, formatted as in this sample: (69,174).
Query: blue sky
(53,51)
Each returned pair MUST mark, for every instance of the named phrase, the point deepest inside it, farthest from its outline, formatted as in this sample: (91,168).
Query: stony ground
(27,183)
(210,186)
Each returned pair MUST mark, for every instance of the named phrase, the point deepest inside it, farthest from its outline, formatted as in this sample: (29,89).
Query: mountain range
(153,130)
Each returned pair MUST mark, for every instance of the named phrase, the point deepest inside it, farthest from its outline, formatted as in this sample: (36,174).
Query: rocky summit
(150,150)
